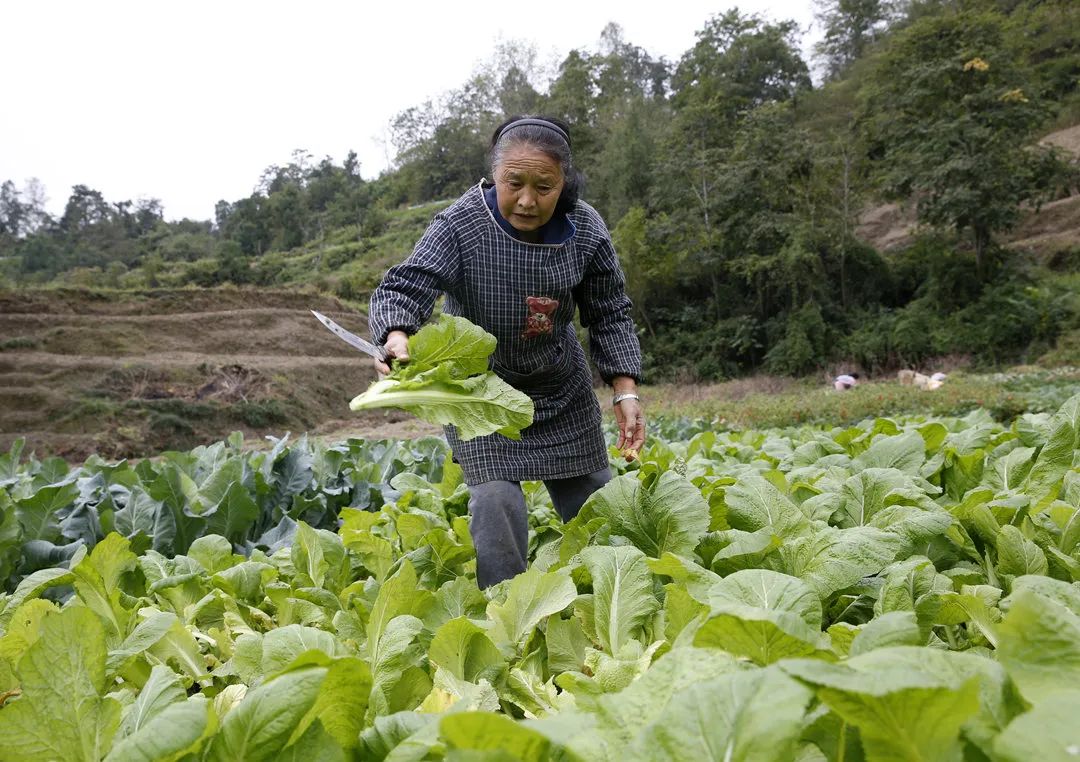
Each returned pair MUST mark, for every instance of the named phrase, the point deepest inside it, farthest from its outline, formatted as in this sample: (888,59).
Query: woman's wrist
(624,385)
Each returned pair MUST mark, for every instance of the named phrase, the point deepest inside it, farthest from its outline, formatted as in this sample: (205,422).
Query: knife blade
(365,346)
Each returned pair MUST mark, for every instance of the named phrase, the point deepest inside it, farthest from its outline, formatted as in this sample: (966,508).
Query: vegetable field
(898,590)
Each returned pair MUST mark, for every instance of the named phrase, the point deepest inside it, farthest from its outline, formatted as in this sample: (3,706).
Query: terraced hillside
(124,374)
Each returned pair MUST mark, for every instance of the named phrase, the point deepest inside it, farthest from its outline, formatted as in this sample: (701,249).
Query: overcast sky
(189,102)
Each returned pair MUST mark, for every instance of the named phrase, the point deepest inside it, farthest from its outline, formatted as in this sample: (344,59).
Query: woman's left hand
(631,423)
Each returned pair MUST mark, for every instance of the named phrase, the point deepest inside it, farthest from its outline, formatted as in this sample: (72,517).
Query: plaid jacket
(499,283)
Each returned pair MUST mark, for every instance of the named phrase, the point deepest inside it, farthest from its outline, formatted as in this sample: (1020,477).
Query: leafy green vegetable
(63,713)
(446,381)
(897,590)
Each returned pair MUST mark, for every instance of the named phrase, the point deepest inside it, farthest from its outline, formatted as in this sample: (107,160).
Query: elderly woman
(518,257)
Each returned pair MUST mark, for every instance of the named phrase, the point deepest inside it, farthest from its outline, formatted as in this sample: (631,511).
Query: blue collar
(558,230)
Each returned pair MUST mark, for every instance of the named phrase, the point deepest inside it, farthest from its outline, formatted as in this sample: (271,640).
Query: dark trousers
(500,522)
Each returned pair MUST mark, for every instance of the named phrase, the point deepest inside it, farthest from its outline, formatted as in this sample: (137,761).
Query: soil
(126,374)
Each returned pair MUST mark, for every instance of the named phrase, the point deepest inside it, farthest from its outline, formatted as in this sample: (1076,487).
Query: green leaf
(908,703)
(907,582)
(494,732)
(1064,593)
(464,649)
(833,559)
(214,488)
(623,599)
(294,472)
(179,648)
(315,744)
(897,628)
(1010,471)
(257,729)
(62,714)
(869,492)
(282,645)
(1018,555)
(32,587)
(213,552)
(531,597)
(161,689)
(682,614)
(457,598)
(145,516)
(475,406)
(318,556)
(341,704)
(566,644)
(97,580)
(765,616)
(744,550)
(529,692)
(245,581)
(1039,644)
(37,513)
(399,736)
(770,590)
(1056,456)
(740,717)
(176,491)
(453,341)
(697,580)
(951,608)
(905,452)
(671,516)
(145,635)
(398,679)
(755,503)
(22,633)
(1046,733)
(606,725)
(374,552)
(177,730)
(234,515)
(398,595)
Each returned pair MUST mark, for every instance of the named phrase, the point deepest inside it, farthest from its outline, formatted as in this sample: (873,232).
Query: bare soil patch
(124,374)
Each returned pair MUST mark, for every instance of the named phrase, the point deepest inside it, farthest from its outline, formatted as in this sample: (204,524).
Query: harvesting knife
(379,353)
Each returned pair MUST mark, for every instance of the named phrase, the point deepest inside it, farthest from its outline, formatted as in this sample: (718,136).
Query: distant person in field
(518,256)
(845,381)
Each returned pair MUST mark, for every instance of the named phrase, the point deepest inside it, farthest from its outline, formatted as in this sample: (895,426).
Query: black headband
(537,123)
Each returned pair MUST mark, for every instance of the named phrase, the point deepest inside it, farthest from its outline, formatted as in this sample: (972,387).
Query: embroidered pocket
(539,319)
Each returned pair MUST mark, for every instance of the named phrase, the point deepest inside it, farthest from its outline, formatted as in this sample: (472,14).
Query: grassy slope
(769,402)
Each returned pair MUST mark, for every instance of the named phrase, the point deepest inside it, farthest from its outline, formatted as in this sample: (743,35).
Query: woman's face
(527,185)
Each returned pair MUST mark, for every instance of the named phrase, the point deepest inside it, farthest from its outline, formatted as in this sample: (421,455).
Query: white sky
(189,102)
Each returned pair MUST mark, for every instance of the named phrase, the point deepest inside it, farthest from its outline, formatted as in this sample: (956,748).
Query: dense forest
(732,184)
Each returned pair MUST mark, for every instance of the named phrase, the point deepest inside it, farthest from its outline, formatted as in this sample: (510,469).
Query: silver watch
(620,397)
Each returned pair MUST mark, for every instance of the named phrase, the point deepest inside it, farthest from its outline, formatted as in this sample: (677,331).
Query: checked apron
(525,294)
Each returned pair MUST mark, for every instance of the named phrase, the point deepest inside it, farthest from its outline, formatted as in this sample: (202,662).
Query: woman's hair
(548,135)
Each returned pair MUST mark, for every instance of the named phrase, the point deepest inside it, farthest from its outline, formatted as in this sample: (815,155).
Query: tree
(738,63)
(709,183)
(850,26)
(12,212)
(952,118)
(85,207)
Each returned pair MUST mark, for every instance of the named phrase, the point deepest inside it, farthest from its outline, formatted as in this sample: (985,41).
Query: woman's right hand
(397,346)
